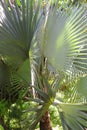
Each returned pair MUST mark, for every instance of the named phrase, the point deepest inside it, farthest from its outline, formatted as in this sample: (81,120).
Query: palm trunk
(45,122)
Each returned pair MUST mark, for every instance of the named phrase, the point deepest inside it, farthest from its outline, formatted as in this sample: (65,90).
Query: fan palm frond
(73,116)
(14,81)
(67,38)
(18,28)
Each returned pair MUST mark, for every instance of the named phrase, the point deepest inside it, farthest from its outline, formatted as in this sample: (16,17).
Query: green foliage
(60,48)
(1,128)
(82,86)
(68,40)
(18,2)
(3,107)
(73,116)
(19,31)
(54,116)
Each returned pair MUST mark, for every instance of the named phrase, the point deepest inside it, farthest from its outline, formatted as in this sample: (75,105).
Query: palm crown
(63,41)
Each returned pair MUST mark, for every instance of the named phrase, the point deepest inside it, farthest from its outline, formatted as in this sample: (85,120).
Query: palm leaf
(4,79)
(82,86)
(4,76)
(13,81)
(17,29)
(73,116)
(66,37)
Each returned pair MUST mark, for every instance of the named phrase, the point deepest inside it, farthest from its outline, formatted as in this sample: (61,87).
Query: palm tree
(28,49)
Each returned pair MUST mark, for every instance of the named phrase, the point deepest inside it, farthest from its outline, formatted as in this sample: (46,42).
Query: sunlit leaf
(73,116)
(66,37)
(82,86)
